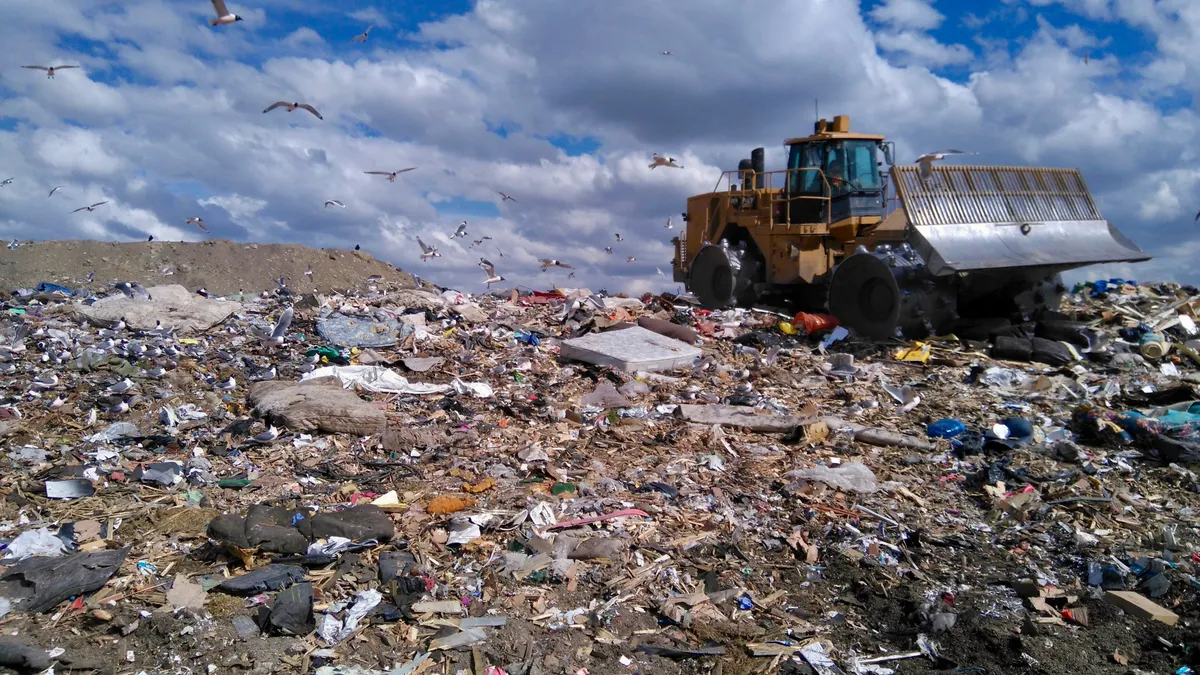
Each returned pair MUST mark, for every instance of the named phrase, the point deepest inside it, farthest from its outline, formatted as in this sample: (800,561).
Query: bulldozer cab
(845,170)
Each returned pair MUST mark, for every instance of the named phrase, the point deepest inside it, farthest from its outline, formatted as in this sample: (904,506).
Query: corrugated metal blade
(978,217)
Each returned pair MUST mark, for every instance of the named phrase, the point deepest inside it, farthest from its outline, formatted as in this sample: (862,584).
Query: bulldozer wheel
(864,295)
(711,278)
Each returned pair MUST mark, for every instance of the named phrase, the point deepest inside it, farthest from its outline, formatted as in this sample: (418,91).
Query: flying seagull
(668,53)
(547,263)
(630,259)
(333,202)
(56,188)
(49,69)
(489,269)
(292,106)
(926,161)
(276,337)
(506,197)
(428,251)
(6,181)
(618,234)
(669,226)
(90,208)
(224,16)
(391,174)
(608,250)
(197,222)
(664,161)
(363,36)
(461,231)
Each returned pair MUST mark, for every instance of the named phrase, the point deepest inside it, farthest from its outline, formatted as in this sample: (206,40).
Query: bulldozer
(898,252)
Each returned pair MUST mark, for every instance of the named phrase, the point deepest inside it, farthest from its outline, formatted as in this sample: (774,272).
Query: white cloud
(166,119)
(915,14)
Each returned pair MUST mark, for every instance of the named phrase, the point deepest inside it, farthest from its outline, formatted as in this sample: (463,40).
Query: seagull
(363,37)
(608,250)
(89,208)
(630,259)
(664,161)
(669,225)
(667,53)
(45,380)
(131,288)
(461,231)
(547,263)
(333,202)
(926,161)
(660,272)
(119,408)
(506,197)
(227,385)
(618,234)
(49,70)
(8,181)
(428,251)
(121,387)
(56,188)
(391,174)
(276,337)
(292,106)
(267,436)
(197,222)
(308,272)
(224,16)
(489,269)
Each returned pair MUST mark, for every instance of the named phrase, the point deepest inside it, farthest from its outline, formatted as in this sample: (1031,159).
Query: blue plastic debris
(945,428)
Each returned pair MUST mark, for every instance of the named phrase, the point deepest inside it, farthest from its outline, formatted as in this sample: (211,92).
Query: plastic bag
(850,476)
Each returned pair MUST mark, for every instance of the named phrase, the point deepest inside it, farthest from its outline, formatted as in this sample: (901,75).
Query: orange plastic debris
(447,504)
(481,486)
(814,323)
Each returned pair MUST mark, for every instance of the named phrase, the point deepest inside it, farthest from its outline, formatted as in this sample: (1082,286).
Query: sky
(560,105)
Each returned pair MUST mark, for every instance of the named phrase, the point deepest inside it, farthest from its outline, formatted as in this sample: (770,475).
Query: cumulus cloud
(165,118)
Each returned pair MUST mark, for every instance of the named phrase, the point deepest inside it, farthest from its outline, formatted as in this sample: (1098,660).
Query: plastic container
(945,428)
(1154,346)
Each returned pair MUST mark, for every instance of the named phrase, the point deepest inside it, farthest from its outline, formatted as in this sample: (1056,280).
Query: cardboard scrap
(1139,605)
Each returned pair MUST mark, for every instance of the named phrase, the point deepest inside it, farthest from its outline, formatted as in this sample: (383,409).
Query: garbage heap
(411,481)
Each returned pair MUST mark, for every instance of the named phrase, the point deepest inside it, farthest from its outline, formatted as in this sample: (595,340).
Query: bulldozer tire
(711,278)
(864,296)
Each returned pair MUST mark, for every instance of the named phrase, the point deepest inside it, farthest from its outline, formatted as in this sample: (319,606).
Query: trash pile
(421,480)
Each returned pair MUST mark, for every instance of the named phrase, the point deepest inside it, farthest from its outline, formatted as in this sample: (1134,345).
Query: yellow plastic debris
(787,328)
(917,351)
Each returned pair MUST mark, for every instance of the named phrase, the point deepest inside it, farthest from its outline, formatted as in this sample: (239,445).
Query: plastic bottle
(1154,346)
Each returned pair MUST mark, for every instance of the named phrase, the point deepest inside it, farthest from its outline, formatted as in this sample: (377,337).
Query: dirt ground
(220,266)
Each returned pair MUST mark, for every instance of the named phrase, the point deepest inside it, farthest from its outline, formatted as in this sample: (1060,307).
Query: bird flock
(224,17)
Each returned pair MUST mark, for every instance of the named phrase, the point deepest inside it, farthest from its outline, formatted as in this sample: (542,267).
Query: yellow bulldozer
(891,253)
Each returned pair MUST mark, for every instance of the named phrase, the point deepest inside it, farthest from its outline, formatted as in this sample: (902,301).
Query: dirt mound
(222,266)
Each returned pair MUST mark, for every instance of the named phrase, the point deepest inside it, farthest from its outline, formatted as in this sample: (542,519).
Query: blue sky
(561,105)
